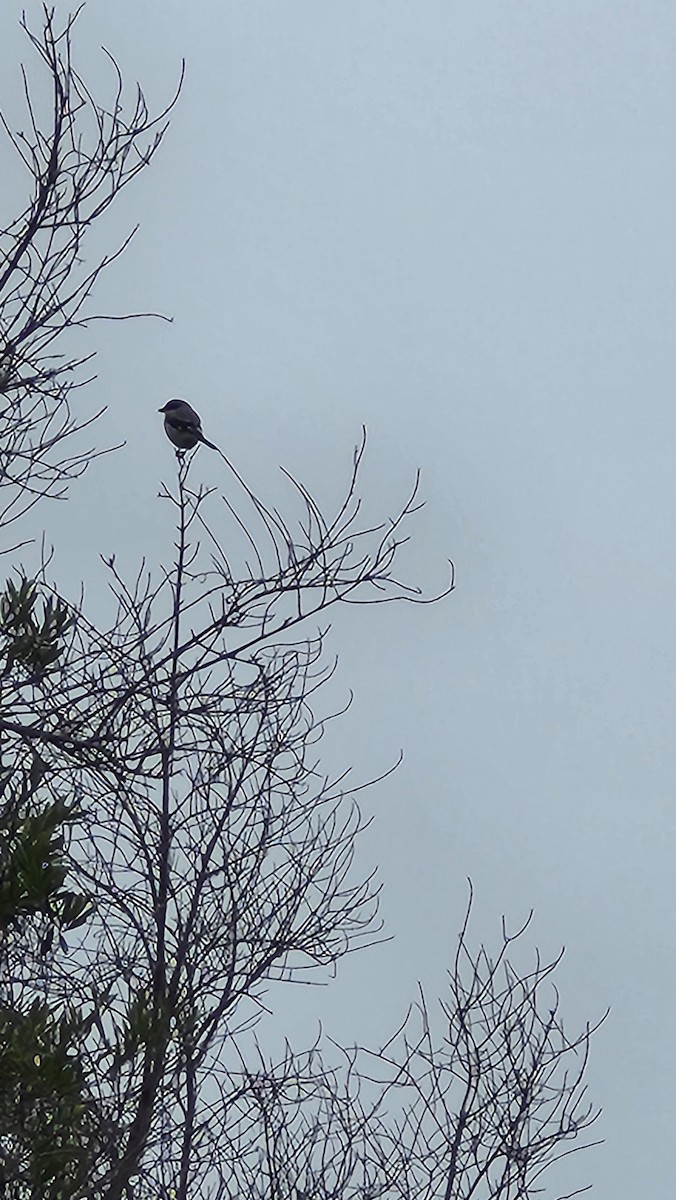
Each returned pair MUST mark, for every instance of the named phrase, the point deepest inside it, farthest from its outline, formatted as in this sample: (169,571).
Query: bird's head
(171,405)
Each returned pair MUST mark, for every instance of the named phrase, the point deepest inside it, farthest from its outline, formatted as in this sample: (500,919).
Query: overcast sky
(451,221)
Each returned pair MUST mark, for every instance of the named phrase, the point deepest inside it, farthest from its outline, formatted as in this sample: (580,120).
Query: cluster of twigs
(77,159)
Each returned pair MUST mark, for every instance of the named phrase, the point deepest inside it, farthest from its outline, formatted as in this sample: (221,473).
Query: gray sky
(452,221)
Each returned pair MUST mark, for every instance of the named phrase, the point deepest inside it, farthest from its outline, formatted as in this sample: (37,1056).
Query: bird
(183,426)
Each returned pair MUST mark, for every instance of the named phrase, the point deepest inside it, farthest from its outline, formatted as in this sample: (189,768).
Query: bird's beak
(162,409)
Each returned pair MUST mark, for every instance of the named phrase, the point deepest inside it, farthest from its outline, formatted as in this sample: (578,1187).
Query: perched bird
(183,426)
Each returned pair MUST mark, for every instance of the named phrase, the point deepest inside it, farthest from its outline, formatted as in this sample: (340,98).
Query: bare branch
(79,158)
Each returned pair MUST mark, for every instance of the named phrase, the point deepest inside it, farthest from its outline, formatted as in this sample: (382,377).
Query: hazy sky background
(452,222)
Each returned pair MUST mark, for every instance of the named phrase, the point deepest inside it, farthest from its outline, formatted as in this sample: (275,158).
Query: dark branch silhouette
(77,159)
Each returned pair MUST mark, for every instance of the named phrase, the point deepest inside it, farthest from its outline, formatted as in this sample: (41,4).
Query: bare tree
(220,858)
(219,854)
(172,848)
